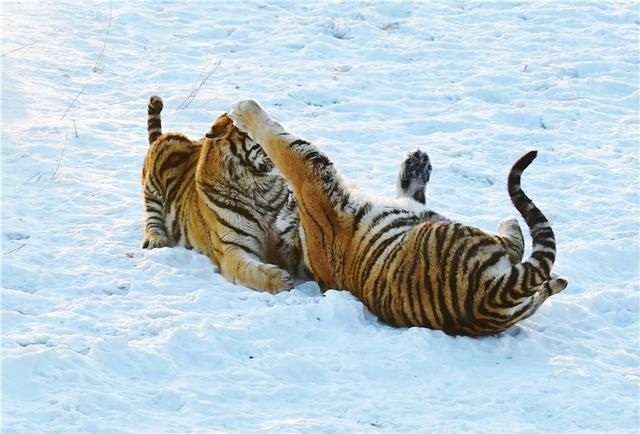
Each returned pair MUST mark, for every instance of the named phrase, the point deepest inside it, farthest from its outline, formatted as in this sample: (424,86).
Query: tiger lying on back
(411,269)
(218,195)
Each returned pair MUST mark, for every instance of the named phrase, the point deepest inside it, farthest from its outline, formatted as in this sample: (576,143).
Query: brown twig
(14,250)
(74,101)
(196,88)
(22,46)
(106,38)
(33,176)
(55,172)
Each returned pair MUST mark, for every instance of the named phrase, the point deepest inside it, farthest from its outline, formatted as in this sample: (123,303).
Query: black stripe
(392,293)
(319,160)
(184,218)
(155,226)
(155,218)
(151,198)
(509,289)
(428,263)
(400,288)
(240,246)
(363,211)
(330,227)
(544,255)
(421,243)
(303,208)
(321,228)
(243,212)
(382,274)
(383,245)
(237,230)
(298,142)
(477,274)
(465,262)
(427,284)
(548,243)
(534,216)
(441,238)
(453,263)
(153,208)
(232,147)
(445,320)
(523,312)
(361,268)
(174,160)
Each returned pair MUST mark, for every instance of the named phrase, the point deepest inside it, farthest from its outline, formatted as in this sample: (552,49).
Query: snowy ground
(100,336)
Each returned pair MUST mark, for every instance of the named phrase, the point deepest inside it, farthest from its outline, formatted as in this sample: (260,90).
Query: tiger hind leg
(512,238)
(155,232)
(415,172)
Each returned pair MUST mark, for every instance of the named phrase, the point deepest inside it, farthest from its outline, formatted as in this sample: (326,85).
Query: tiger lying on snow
(411,269)
(219,196)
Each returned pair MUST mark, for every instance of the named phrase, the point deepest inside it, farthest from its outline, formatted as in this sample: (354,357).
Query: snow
(101,336)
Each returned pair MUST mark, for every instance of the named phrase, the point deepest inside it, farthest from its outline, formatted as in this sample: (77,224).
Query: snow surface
(101,336)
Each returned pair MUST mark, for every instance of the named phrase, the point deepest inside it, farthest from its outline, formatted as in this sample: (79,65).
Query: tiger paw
(414,175)
(249,117)
(273,279)
(155,241)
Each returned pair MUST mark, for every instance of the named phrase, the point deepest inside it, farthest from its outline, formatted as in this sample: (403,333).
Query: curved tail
(537,268)
(154,124)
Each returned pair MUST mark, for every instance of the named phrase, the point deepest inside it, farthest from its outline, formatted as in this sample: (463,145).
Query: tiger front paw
(155,241)
(274,279)
(249,117)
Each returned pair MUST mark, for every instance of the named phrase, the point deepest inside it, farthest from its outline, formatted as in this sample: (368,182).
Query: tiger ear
(220,126)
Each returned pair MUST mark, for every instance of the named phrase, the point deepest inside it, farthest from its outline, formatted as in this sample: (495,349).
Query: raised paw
(245,114)
(249,117)
(155,241)
(415,172)
(273,279)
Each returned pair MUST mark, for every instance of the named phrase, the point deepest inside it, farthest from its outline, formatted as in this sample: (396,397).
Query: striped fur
(411,269)
(218,195)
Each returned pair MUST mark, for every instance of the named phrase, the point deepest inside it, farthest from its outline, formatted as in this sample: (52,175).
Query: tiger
(220,196)
(411,268)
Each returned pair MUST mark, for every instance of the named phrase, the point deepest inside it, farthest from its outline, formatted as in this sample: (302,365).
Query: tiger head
(238,150)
